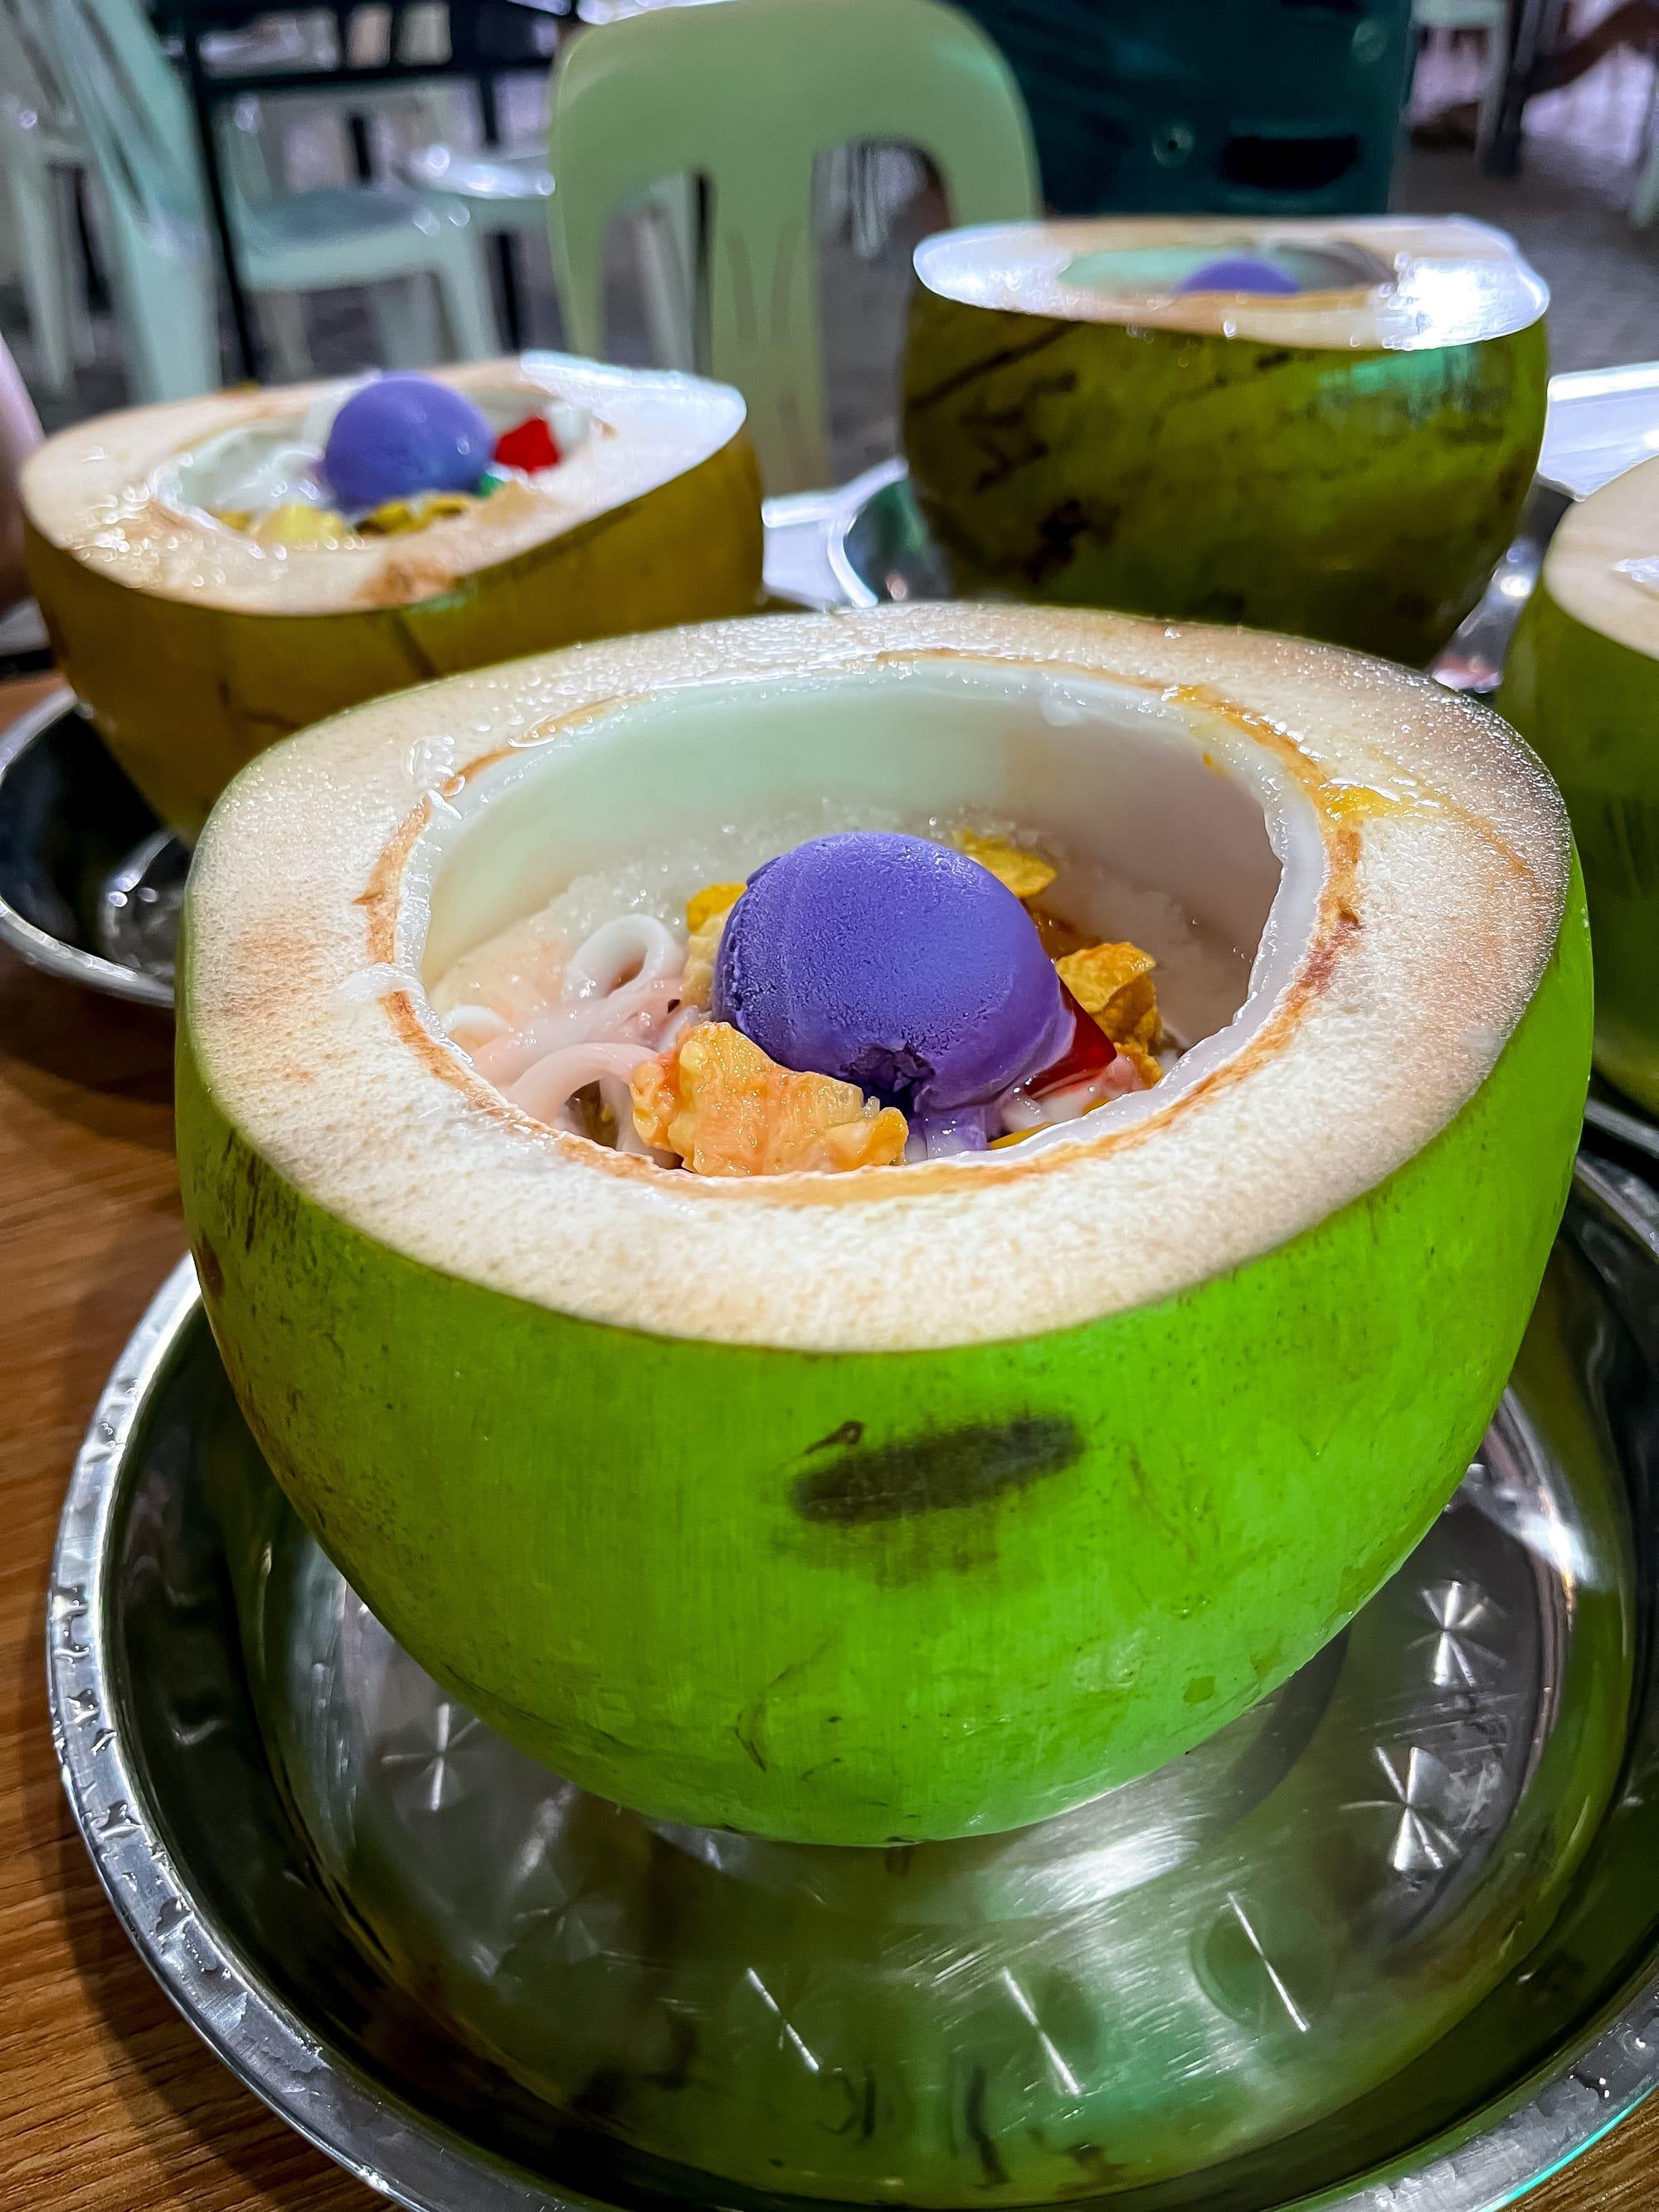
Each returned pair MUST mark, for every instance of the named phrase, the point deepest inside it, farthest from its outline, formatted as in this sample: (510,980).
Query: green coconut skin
(877,1598)
(1590,705)
(184,695)
(1362,496)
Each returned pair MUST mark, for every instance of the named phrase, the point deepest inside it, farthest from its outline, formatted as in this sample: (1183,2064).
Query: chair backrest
(140,133)
(744,94)
(133,112)
(30,84)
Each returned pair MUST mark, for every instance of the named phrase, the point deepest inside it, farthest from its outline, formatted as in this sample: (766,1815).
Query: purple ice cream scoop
(1239,272)
(403,436)
(895,964)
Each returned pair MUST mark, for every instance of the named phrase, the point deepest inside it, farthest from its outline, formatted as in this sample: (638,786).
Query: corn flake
(1015,867)
(1113,983)
(399,516)
(728,1110)
(705,918)
(296,524)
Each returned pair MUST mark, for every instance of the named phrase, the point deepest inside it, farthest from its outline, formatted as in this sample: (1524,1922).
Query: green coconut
(194,645)
(922,1500)
(1581,679)
(1346,463)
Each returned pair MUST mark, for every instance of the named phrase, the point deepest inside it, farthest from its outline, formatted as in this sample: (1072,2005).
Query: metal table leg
(506,267)
(201,97)
(1534,26)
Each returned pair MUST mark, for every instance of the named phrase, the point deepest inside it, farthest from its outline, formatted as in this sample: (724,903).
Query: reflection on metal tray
(1621,1128)
(1388,1938)
(90,886)
(880,551)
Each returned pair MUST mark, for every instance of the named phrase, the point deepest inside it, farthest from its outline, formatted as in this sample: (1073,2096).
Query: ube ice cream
(896,964)
(1240,272)
(402,435)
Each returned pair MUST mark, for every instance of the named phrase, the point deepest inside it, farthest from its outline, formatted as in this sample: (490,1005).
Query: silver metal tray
(89,883)
(1389,1941)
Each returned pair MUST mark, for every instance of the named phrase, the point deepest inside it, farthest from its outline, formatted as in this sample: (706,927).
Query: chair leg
(464,288)
(406,325)
(41,267)
(77,270)
(284,316)
(1644,205)
(169,323)
(1492,92)
(664,232)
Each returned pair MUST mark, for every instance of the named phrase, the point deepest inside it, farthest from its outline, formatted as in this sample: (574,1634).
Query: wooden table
(107,2101)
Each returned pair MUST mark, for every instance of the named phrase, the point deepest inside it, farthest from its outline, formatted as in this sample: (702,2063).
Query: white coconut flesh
(1367,282)
(130,494)
(1602,564)
(1388,860)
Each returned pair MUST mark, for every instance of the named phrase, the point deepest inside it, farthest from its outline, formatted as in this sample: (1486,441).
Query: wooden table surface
(107,2101)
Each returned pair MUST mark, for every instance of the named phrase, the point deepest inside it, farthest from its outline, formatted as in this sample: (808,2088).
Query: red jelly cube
(529,446)
(1089,1050)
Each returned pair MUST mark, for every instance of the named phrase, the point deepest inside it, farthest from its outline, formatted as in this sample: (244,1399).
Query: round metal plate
(1618,1124)
(1388,1939)
(89,885)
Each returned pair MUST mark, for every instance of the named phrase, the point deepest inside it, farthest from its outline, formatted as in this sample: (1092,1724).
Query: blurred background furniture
(43,159)
(679,92)
(1489,19)
(1257,107)
(507,195)
(391,46)
(1532,29)
(137,126)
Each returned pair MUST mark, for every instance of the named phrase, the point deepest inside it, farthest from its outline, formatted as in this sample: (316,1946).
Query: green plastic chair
(743,95)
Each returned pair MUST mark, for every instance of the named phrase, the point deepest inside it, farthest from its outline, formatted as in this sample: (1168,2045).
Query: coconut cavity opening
(265,478)
(1153,274)
(567,911)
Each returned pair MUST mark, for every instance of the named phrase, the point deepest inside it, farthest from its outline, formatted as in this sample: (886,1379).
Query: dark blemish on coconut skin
(207,1266)
(955,1468)
(849,1432)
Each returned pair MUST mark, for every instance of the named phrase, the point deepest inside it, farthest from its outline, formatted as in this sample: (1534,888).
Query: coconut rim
(1601,565)
(1440,833)
(1452,283)
(101,491)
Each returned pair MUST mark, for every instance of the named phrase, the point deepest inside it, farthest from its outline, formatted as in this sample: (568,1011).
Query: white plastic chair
(744,95)
(510,191)
(141,134)
(41,156)
(1644,204)
(315,120)
(1490,17)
